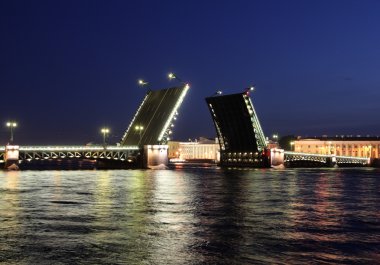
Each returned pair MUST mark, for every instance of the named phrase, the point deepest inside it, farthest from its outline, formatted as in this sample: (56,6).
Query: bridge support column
(276,157)
(155,156)
(331,161)
(11,157)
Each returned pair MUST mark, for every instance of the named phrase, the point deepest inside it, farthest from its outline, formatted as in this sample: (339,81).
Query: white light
(177,105)
(171,76)
(11,124)
(142,82)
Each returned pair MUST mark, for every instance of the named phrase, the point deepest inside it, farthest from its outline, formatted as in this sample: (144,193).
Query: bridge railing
(77,147)
(85,152)
(294,156)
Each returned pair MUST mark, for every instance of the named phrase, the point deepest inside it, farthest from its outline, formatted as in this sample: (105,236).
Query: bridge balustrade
(324,159)
(29,153)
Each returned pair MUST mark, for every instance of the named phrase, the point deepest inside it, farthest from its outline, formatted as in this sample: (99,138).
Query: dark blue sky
(69,67)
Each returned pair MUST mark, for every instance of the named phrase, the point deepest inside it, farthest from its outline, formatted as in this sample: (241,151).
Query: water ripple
(191,216)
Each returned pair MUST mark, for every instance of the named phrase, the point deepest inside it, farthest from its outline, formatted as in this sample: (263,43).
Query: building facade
(202,149)
(340,146)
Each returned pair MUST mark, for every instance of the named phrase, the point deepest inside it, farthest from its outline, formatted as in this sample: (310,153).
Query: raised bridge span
(243,143)
(241,138)
(150,128)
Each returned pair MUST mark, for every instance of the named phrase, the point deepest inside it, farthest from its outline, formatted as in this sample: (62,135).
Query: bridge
(27,154)
(243,144)
(297,159)
(142,144)
(154,119)
(241,138)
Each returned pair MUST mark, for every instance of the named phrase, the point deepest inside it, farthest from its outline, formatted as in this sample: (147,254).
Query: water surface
(191,216)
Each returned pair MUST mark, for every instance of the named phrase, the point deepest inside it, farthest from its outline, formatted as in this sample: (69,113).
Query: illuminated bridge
(150,128)
(33,154)
(241,138)
(154,119)
(294,159)
(29,153)
(243,144)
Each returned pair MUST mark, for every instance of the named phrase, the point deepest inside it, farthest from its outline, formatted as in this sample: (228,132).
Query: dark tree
(285,141)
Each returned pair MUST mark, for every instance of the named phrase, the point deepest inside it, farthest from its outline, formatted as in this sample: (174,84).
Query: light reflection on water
(190,216)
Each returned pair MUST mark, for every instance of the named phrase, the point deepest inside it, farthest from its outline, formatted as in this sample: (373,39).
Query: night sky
(67,68)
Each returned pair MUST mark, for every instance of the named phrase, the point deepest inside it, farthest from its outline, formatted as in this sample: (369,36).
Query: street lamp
(104,131)
(139,129)
(11,125)
(249,89)
(172,76)
(142,82)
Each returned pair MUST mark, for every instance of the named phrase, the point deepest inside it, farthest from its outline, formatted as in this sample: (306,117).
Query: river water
(191,216)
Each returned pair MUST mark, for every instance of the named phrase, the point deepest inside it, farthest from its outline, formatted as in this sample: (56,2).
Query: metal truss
(28,153)
(294,156)
(291,156)
(352,160)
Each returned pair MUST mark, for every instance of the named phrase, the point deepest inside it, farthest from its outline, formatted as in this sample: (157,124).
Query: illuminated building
(202,149)
(340,146)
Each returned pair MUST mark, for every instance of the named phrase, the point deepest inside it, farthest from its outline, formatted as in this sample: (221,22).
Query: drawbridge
(151,126)
(154,119)
(241,138)
(243,143)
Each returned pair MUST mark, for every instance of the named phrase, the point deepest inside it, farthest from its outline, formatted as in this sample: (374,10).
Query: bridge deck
(75,151)
(297,156)
(153,121)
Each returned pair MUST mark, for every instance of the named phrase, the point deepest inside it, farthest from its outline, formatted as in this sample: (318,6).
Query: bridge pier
(155,156)
(277,157)
(11,157)
(331,161)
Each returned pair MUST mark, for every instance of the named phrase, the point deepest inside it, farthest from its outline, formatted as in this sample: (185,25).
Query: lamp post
(139,129)
(172,76)
(11,125)
(104,131)
(250,88)
(142,83)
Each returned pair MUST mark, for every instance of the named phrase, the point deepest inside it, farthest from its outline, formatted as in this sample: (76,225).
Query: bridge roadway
(29,153)
(290,157)
(129,154)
